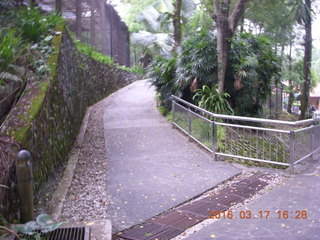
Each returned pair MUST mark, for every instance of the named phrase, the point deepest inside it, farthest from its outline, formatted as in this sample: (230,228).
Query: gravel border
(83,196)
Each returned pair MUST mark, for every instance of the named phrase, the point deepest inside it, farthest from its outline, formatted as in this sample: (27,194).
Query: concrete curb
(59,195)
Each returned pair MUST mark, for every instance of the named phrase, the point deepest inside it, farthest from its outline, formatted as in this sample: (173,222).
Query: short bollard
(25,185)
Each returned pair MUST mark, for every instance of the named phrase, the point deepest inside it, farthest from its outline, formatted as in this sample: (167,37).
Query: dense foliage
(252,67)
(9,48)
(162,73)
(25,37)
(213,101)
(34,25)
(197,58)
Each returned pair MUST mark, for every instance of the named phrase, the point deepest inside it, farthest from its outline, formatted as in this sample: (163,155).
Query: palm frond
(149,18)
(9,77)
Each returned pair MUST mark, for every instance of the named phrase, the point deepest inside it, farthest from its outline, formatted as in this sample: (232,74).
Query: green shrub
(162,74)
(34,25)
(9,46)
(31,23)
(197,58)
(211,100)
(252,66)
(53,19)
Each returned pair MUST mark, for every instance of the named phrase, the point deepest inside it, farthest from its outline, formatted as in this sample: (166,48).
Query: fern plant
(161,73)
(252,66)
(9,46)
(34,25)
(211,100)
(197,58)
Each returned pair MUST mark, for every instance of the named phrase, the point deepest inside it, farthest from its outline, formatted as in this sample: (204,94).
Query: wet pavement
(151,167)
(289,212)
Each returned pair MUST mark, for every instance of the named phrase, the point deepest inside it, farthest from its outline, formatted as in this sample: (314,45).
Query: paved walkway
(151,167)
(300,193)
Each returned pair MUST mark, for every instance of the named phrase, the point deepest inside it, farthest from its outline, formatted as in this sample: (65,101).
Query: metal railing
(268,141)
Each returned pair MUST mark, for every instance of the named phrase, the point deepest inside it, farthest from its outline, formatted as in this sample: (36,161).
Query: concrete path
(298,196)
(151,166)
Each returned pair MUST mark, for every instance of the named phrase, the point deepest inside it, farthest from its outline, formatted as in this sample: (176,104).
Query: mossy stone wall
(55,112)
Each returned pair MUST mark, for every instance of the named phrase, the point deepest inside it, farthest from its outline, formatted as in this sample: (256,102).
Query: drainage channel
(72,233)
(174,222)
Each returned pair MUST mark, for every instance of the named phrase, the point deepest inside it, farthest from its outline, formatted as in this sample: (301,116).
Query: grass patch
(135,69)
(165,112)
(90,51)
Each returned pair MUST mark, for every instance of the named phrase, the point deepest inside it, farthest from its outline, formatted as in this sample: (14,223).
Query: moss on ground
(54,57)
(36,102)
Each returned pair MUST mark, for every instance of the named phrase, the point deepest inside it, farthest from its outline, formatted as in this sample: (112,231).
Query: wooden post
(25,186)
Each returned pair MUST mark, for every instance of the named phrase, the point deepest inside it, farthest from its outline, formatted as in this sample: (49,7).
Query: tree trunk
(59,6)
(78,18)
(225,26)
(291,96)
(92,23)
(177,23)
(306,64)
(242,24)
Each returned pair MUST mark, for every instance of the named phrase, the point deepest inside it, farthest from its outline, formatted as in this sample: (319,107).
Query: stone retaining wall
(53,110)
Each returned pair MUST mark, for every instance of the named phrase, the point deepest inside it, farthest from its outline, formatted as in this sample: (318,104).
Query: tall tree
(291,93)
(177,23)
(226,25)
(92,23)
(78,18)
(307,21)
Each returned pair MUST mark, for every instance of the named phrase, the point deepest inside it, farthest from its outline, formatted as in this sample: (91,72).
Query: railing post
(214,140)
(292,155)
(173,109)
(25,186)
(312,141)
(189,123)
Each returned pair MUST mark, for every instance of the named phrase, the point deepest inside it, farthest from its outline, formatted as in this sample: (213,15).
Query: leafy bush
(211,100)
(162,73)
(53,19)
(34,25)
(197,58)
(252,66)
(9,46)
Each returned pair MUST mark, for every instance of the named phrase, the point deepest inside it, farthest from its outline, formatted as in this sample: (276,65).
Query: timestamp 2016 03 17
(263,214)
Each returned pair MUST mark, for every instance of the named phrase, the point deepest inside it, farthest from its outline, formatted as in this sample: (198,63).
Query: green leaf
(18,228)
(31,227)
(51,227)
(44,219)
